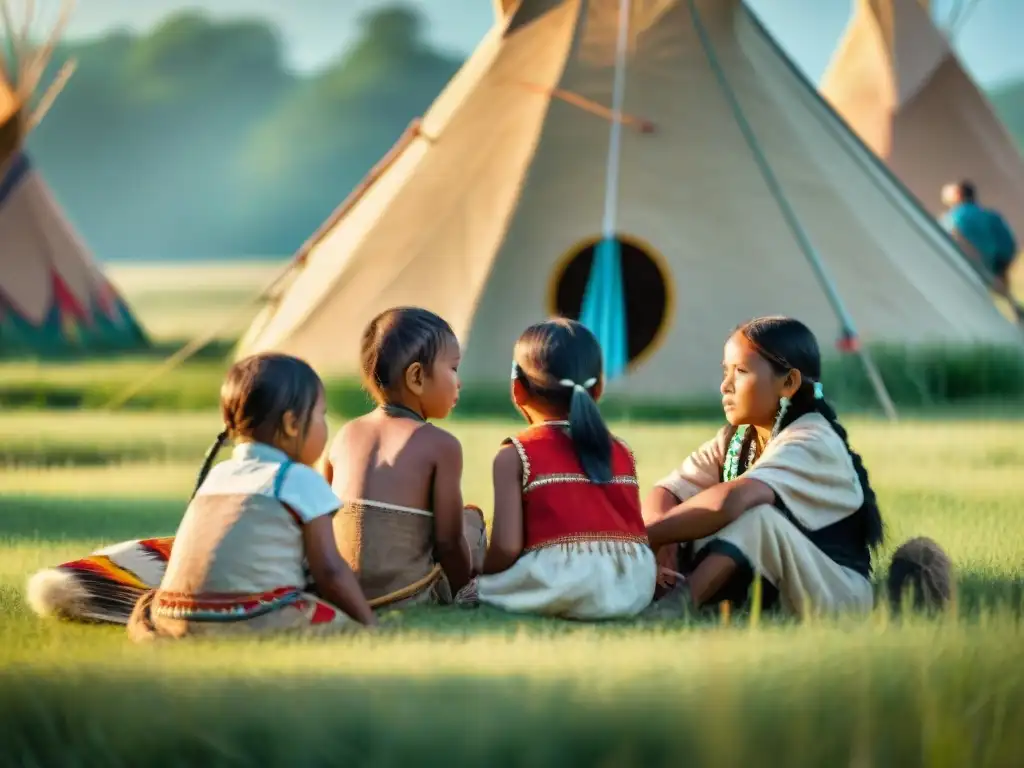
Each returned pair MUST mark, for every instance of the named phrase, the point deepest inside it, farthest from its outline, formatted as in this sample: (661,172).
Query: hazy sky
(315,31)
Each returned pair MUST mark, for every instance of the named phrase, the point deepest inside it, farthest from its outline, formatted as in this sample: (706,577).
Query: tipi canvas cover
(53,297)
(489,213)
(898,83)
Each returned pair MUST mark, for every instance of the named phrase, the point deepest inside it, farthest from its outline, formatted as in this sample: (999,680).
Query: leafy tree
(195,141)
(331,129)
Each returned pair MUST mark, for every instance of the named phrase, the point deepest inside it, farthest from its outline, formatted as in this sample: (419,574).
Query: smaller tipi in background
(54,299)
(897,82)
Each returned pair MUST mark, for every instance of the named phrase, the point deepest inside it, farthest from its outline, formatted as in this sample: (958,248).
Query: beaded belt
(221,606)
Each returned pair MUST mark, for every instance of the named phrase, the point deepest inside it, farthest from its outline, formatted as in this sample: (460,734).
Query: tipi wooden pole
(502,8)
(849,338)
(591,106)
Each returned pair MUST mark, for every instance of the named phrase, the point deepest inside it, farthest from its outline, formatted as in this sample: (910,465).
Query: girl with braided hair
(778,492)
(255,550)
(568,539)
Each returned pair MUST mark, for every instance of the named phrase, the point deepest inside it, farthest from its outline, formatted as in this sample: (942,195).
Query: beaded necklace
(396,411)
(731,468)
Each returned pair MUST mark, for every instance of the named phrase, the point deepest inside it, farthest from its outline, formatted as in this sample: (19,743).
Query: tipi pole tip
(503,8)
(849,343)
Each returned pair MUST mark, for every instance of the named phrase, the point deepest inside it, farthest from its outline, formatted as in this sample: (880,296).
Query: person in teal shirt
(983,235)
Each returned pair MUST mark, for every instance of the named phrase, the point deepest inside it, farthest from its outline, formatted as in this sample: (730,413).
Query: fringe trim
(603,544)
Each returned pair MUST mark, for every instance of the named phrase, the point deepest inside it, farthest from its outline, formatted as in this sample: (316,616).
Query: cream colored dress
(584,580)
(808,546)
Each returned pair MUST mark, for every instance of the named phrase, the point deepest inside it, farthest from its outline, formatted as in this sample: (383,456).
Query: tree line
(196,141)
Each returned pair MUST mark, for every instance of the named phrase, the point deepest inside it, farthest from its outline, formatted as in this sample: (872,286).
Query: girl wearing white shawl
(777,493)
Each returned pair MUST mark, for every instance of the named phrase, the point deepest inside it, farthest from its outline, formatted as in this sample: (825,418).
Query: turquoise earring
(783,407)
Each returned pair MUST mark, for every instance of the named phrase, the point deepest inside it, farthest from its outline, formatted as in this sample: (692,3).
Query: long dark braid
(254,398)
(748,450)
(788,344)
(874,526)
(211,456)
(805,402)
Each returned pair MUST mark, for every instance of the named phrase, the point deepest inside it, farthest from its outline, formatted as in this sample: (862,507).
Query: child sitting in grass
(780,493)
(255,521)
(568,537)
(403,528)
(254,524)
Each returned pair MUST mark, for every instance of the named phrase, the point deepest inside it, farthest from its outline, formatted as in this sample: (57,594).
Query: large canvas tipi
(54,299)
(898,83)
(680,129)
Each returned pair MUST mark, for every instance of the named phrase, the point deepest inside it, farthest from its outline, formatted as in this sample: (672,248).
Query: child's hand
(667,577)
(667,573)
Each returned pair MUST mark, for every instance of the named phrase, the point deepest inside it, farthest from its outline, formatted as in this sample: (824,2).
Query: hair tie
(582,387)
(819,391)
(515,370)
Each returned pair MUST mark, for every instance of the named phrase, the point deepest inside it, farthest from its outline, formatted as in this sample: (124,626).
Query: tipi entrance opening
(646,284)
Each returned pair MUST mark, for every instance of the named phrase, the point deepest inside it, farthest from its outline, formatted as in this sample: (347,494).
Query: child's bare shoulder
(354,426)
(441,441)
(348,432)
(507,461)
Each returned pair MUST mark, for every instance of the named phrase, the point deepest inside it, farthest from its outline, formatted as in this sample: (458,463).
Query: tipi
(727,178)
(898,83)
(53,297)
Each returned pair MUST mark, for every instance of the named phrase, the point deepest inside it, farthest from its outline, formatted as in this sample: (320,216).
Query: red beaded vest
(561,505)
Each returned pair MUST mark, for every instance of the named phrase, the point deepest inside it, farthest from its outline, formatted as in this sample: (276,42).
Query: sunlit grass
(456,687)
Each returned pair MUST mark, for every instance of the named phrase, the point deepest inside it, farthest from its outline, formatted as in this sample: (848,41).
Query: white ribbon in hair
(582,387)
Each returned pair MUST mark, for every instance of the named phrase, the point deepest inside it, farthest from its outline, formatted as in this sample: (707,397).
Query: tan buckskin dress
(391,550)
(237,565)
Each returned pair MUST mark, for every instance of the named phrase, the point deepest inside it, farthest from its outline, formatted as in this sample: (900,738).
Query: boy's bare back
(388,460)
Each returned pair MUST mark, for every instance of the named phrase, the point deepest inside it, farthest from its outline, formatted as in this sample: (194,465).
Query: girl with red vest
(568,538)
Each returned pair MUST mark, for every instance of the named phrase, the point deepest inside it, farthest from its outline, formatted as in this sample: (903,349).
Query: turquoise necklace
(735,465)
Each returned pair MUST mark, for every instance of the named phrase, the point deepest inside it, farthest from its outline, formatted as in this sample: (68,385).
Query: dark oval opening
(647,295)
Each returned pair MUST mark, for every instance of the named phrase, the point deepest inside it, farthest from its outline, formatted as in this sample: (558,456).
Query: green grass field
(447,686)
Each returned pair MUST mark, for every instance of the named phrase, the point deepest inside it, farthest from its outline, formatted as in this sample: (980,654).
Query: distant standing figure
(983,235)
